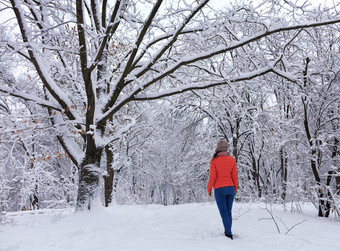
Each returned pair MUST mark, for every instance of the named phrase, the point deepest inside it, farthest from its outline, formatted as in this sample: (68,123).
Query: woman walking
(223,177)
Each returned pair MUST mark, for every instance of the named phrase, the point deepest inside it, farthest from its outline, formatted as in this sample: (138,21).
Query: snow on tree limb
(114,23)
(28,97)
(205,55)
(40,64)
(198,86)
(122,81)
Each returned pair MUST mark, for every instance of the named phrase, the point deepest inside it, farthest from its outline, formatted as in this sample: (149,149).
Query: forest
(124,101)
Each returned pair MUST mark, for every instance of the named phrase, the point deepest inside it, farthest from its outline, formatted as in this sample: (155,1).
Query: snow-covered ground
(155,227)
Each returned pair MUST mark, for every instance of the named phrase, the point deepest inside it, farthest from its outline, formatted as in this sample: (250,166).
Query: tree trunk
(108,178)
(34,198)
(236,138)
(323,199)
(256,177)
(334,156)
(284,173)
(322,192)
(337,181)
(89,176)
(235,150)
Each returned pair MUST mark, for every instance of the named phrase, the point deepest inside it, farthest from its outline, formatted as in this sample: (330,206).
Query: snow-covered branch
(205,85)
(205,55)
(29,97)
(39,63)
(121,83)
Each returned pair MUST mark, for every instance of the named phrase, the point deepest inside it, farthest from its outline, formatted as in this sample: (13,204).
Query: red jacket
(223,172)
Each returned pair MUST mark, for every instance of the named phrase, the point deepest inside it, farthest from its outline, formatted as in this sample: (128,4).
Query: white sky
(223,3)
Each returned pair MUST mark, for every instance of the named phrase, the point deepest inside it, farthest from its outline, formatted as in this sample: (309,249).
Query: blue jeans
(224,198)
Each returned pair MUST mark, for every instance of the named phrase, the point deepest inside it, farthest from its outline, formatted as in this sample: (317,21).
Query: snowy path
(154,227)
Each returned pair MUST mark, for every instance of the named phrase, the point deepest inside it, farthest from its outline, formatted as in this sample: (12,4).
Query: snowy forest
(124,101)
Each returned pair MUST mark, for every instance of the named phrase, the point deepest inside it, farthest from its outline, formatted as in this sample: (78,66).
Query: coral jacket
(223,172)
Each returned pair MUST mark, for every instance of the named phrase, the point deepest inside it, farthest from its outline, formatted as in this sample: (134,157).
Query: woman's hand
(209,193)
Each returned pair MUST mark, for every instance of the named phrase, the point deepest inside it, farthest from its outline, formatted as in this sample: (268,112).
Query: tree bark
(334,156)
(89,177)
(284,173)
(108,178)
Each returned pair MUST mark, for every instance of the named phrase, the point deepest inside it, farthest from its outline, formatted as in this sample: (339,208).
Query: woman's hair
(215,154)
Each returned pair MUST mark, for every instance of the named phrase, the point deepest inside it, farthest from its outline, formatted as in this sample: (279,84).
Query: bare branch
(158,39)
(55,91)
(27,97)
(81,36)
(294,226)
(108,33)
(271,218)
(196,86)
(223,49)
(127,69)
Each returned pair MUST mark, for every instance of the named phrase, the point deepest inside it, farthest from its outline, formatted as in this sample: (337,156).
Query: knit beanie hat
(222,146)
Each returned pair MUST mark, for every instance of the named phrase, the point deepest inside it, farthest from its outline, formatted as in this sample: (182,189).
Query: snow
(156,227)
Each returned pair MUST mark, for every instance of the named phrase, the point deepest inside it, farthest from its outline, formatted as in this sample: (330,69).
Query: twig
(272,216)
(243,213)
(277,226)
(294,226)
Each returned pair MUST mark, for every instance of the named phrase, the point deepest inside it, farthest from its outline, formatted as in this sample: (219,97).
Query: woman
(223,177)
